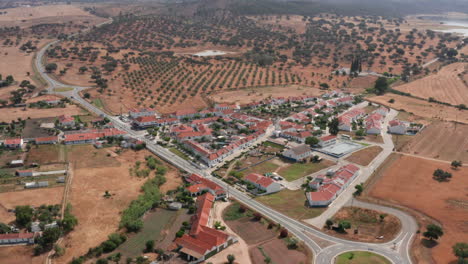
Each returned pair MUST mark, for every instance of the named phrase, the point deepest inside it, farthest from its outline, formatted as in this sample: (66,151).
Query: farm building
(16,238)
(16,163)
(30,185)
(263,183)
(298,153)
(202,241)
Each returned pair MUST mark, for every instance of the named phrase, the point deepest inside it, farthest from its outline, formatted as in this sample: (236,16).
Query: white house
(144,121)
(298,153)
(397,127)
(383,111)
(13,143)
(263,183)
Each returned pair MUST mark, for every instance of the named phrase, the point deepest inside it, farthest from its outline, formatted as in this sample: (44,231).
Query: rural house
(263,183)
(397,127)
(66,121)
(13,143)
(16,238)
(139,112)
(201,185)
(327,141)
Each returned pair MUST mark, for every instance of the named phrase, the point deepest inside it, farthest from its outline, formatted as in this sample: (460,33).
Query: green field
(153,225)
(63,89)
(98,103)
(179,153)
(262,168)
(290,203)
(298,170)
(361,257)
(273,145)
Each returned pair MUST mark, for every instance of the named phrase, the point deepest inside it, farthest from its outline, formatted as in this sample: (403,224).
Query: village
(277,145)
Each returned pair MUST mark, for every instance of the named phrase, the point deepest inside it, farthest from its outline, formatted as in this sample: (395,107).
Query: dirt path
(239,249)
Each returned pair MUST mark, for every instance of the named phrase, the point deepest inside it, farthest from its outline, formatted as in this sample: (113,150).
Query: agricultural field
(290,203)
(261,240)
(13,113)
(399,182)
(449,85)
(364,156)
(439,140)
(361,257)
(369,224)
(421,108)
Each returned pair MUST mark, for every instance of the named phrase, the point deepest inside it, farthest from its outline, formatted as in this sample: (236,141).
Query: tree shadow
(429,243)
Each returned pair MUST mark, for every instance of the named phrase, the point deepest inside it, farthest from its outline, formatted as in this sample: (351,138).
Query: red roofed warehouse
(202,241)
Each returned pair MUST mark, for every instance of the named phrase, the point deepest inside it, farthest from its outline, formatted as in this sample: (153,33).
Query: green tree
(149,246)
(433,232)
(343,225)
(381,86)
(359,189)
(23,215)
(231,258)
(333,126)
(461,251)
(83,69)
(456,163)
(329,223)
(312,141)
(51,67)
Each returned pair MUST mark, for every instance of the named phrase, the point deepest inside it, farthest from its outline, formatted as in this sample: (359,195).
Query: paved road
(306,233)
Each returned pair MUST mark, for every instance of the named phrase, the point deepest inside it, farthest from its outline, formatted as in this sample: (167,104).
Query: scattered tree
(433,232)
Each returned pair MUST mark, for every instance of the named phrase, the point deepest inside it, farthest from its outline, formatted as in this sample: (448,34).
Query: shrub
(284,233)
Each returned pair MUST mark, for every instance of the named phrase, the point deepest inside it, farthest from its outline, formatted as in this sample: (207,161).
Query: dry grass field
(29,16)
(37,197)
(408,181)
(19,255)
(14,113)
(440,140)
(249,95)
(422,108)
(447,85)
(364,156)
(94,173)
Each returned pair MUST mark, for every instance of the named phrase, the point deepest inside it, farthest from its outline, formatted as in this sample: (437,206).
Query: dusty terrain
(440,140)
(22,255)
(95,173)
(37,197)
(422,108)
(364,156)
(448,85)
(245,96)
(408,181)
(368,224)
(29,16)
(14,113)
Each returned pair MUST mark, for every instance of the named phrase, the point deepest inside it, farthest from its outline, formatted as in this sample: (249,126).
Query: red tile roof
(327,138)
(12,141)
(16,235)
(145,119)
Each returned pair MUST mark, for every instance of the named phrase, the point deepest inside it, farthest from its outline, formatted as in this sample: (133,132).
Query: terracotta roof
(46,139)
(145,119)
(327,138)
(16,235)
(12,141)
(65,119)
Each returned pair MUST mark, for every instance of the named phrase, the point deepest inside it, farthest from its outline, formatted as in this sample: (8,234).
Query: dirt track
(446,85)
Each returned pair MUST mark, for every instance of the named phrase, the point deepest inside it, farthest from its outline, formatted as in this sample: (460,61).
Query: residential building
(203,241)
(328,189)
(298,153)
(46,140)
(266,184)
(144,121)
(66,121)
(297,136)
(13,143)
(140,112)
(383,111)
(397,127)
(326,141)
(90,136)
(200,185)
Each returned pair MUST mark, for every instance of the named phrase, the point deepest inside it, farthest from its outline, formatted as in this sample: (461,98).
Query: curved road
(324,246)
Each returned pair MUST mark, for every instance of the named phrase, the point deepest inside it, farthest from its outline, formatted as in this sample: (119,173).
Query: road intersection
(324,246)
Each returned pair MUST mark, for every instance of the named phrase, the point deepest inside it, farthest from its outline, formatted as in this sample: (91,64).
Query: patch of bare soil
(368,224)
(364,156)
